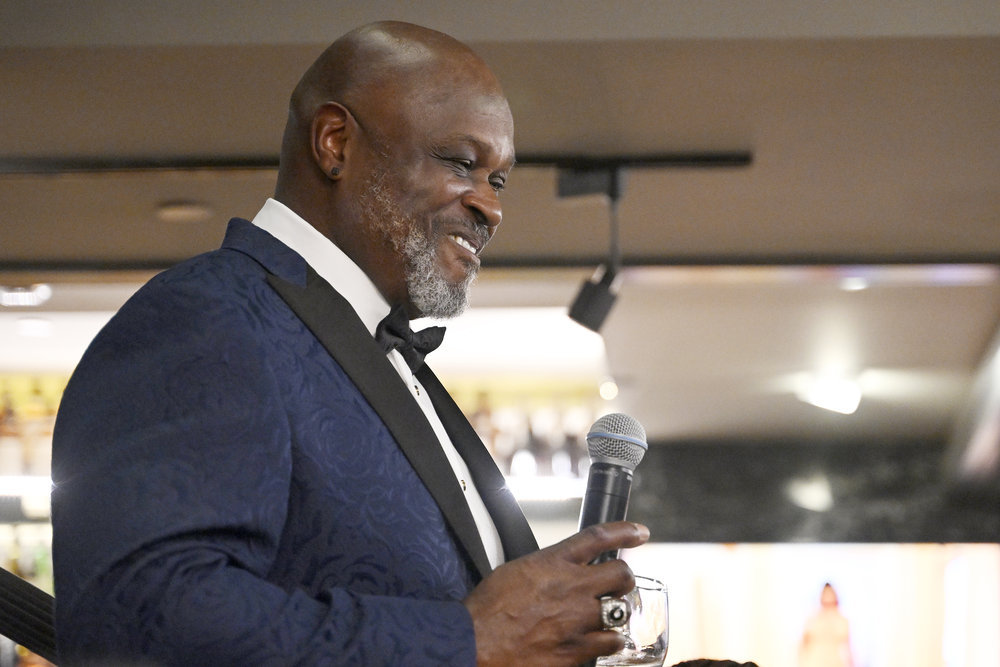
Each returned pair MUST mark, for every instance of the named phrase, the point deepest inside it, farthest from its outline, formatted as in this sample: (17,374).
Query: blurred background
(801,205)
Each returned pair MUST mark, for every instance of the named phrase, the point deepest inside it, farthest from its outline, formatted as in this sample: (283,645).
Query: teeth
(462,242)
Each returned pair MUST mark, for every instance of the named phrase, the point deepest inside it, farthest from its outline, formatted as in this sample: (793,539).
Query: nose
(483,200)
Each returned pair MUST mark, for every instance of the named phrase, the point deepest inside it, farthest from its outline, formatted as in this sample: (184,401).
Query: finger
(589,543)
(613,578)
(602,642)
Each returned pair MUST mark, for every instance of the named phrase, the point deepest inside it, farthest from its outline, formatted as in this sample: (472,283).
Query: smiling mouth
(463,243)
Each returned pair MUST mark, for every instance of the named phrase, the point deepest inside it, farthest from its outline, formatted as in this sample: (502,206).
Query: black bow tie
(394,333)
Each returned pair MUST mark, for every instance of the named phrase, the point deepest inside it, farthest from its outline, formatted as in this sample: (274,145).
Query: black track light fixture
(597,295)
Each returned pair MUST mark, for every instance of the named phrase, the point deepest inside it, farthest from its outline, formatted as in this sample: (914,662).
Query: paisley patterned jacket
(240,477)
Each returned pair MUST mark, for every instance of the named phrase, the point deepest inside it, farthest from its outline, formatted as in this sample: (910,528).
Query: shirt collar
(326,259)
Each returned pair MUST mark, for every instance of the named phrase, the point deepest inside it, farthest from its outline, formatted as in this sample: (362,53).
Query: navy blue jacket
(241,477)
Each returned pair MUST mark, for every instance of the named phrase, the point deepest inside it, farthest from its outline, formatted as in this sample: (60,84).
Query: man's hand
(543,609)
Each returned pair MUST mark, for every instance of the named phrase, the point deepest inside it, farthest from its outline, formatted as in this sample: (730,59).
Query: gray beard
(428,289)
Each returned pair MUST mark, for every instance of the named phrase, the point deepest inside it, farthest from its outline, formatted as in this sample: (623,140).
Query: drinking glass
(647,629)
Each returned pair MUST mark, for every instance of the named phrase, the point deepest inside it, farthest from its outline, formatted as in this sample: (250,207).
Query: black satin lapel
(515,533)
(332,320)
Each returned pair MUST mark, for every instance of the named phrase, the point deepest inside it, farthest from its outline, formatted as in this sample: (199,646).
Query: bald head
(380,72)
(370,61)
(398,136)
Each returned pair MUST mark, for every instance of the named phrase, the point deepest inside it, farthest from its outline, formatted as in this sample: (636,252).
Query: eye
(464,167)
(462,164)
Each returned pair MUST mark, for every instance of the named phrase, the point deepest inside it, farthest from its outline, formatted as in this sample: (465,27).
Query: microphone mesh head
(617,439)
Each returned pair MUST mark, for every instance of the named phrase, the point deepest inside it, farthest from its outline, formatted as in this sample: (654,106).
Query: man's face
(429,289)
(432,194)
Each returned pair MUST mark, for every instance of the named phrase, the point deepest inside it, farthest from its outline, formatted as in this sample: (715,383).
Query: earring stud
(335,171)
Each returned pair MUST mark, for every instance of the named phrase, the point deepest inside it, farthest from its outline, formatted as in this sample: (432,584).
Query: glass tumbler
(647,630)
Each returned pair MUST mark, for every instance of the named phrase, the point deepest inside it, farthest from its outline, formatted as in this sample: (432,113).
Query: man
(248,470)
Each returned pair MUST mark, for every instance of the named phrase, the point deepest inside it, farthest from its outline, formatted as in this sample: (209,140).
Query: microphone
(616,443)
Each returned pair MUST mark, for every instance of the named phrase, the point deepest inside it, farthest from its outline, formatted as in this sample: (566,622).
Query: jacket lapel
(332,320)
(515,533)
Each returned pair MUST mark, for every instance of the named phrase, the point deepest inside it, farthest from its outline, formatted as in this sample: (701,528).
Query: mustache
(477,231)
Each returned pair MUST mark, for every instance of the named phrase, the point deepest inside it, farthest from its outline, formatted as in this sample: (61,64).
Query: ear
(332,125)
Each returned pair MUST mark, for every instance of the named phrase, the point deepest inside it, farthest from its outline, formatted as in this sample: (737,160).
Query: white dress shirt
(353,284)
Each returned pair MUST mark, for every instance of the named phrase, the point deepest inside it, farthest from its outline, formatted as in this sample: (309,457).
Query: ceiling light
(854,283)
(32,296)
(812,493)
(597,295)
(834,394)
(183,212)
(595,299)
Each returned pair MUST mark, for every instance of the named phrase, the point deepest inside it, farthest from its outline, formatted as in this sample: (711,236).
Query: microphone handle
(606,499)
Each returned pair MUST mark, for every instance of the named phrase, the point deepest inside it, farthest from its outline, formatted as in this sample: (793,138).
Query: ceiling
(873,134)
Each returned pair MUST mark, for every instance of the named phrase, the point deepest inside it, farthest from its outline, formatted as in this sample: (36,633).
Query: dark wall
(702,492)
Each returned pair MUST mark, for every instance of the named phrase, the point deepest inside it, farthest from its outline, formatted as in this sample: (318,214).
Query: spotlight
(597,295)
(594,301)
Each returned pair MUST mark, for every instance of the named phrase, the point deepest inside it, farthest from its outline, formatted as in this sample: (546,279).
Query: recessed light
(854,283)
(183,212)
(32,296)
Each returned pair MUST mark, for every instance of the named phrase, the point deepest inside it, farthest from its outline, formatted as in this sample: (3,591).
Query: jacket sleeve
(172,470)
